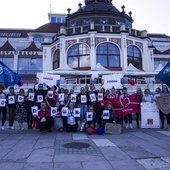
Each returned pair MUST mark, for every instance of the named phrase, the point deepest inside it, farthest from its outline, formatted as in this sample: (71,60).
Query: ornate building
(96,39)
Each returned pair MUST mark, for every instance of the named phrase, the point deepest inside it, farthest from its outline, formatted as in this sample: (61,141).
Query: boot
(168,128)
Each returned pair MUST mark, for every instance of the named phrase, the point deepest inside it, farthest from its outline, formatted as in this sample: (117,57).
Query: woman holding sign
(11,102)
(21,114)
(28,104)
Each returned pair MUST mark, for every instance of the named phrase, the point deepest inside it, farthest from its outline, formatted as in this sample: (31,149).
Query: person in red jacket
(46,121)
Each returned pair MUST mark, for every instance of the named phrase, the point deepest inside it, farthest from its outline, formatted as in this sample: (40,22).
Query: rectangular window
(114,61)
(59,20)
(9,62)
(38,39)
(102,60)
(71,81)
(53,19)
(84,81)
(157,62)
(29,65)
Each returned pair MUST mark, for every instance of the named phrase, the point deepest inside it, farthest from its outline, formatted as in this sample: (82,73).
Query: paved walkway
(133,149)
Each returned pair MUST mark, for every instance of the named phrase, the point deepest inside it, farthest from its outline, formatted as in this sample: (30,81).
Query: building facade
(97,39)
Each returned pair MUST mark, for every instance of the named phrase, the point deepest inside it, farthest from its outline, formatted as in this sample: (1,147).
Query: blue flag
(7,76)
(164,75)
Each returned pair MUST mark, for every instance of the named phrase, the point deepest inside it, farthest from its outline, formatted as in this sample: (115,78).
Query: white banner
(108,81)
(49,79)
(149,115)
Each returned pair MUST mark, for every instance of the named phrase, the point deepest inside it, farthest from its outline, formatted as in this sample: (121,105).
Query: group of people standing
(89,100)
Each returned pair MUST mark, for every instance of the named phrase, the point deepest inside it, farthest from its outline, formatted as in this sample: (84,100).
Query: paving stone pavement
(133,149)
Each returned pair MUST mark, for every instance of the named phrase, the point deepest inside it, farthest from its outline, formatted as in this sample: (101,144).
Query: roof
(14,33)
(167,52)
(32,47)
(49,28)
(7,47)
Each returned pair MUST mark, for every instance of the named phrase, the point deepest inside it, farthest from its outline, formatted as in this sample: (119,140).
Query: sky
(150,15)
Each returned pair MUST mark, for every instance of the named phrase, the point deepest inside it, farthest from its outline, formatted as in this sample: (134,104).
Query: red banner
(126,105)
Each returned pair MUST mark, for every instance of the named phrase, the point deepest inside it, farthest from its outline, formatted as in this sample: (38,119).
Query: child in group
(90,123)
(71,125)
(58,121)
(111,118)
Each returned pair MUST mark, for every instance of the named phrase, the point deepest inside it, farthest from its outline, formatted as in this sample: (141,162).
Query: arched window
(134,56)
(78,56)
(108,55)
(56,59)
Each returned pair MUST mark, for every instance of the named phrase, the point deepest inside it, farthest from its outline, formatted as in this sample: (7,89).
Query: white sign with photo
(100,96)
(106,114)
(61,97)
(50,94)
(31,96)
(83,99)
(20,98)
(34,110)
(39,98)
(64,111)
(92,97)
(2,102)
(149,115)
(76,112)
(89,116)
(53,111)
(73,98)
(11,99)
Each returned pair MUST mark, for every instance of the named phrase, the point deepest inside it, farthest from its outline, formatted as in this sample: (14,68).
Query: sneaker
(131,126)
(2,128)
(12,127)
(127,125)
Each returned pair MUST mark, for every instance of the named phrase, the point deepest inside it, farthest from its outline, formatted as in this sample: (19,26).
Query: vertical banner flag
(164,74)
(8,77)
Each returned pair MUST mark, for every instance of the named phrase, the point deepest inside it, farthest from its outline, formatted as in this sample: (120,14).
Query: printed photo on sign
(34,110)
(76,112)
(92,97)
(61,97)
(149,115)
(100,96)
(20,98)
(53,111)
(31,96)
(106,114)
(11,100)
(83,99)
(73,98)
(64,111)
(89,116)
(2,102)
(40,98)
(50,94)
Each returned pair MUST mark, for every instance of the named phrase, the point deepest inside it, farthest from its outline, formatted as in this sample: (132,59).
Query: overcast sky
(150,15)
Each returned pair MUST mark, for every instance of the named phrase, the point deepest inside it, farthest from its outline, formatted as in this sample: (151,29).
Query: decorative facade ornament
(70,42)
(53,50)
(140,45)
(116,41)
(85,40)
(129,42)
(99,40)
